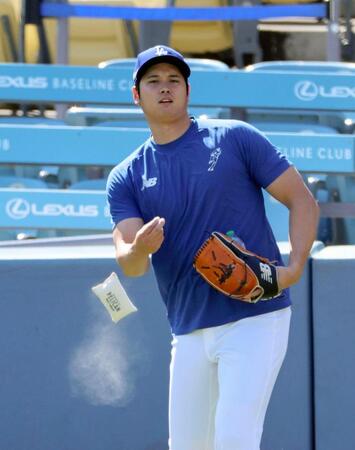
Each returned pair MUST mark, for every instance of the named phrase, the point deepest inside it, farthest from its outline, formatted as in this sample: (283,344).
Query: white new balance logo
(266,272)
(150,182)
(160,51)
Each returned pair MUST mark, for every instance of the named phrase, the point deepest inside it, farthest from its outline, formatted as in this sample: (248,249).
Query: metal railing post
(333,35)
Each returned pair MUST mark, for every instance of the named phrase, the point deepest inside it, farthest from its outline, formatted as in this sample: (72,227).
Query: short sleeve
(264,161)
(120,196)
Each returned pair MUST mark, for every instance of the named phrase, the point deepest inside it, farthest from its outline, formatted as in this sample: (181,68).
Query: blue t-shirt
(209,179)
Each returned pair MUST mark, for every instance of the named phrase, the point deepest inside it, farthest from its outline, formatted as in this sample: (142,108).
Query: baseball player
(190,178)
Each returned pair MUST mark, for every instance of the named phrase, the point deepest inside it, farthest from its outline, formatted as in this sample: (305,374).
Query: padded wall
(289,419)
(71,379)
(334,337)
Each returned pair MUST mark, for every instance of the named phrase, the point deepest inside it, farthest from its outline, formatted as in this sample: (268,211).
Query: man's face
(162,93)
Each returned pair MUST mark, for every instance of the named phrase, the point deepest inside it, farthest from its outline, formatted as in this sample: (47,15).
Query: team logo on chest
(214,159)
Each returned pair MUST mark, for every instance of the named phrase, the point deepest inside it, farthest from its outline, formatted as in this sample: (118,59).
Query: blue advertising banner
(285,90)
(56,83)
(31,208)
(62,145)
(327,153)
(233,88)
(87,210)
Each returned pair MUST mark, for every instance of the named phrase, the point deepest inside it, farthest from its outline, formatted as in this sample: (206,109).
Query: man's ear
(135,95)
(188,90)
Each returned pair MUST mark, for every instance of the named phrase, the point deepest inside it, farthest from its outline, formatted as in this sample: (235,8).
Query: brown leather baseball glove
(235,271)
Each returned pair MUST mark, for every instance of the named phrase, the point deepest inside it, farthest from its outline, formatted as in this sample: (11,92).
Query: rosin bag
(114,298)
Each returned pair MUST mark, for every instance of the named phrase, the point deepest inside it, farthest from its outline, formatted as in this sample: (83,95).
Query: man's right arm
(134,241)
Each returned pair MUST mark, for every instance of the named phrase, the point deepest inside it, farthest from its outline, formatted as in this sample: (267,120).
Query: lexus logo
(306,90)
(23,82)
(18,208)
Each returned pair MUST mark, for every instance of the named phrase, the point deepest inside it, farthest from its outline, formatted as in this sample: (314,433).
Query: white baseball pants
(221,379)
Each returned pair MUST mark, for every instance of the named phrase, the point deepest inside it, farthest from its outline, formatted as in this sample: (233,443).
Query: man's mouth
(165,100)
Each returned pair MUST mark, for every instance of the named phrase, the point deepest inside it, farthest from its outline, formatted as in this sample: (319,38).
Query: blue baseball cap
(159,54)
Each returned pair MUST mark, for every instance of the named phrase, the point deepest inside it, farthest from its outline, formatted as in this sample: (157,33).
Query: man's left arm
(290,189)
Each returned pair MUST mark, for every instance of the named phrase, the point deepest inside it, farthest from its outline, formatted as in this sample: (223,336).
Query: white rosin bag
(114,298)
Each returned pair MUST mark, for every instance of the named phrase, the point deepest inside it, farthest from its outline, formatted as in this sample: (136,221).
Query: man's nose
(164,89)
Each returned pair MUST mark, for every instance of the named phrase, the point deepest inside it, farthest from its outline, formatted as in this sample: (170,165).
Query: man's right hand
(150,237)
(135,241)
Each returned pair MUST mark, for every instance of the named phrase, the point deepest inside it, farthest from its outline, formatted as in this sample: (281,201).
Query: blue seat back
(20,182)
(194,63)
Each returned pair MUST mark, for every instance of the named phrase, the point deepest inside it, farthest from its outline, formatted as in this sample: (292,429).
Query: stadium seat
(201,37)
(21,182)
(21,234)
(26,120)
(194,63)
(341,187)
(285,2)
(343,122)
(110,117)
(133,116)
(92,185)
(330,230)
(127,117)
(7,170)
(197,37)
(304,66)
(9,26)
(12,8)
(8,235)
(92,40)
(26,171)
(68,176)
(289,126)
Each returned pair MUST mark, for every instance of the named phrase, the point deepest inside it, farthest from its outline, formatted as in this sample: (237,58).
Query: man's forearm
(304,218)
(132,263)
